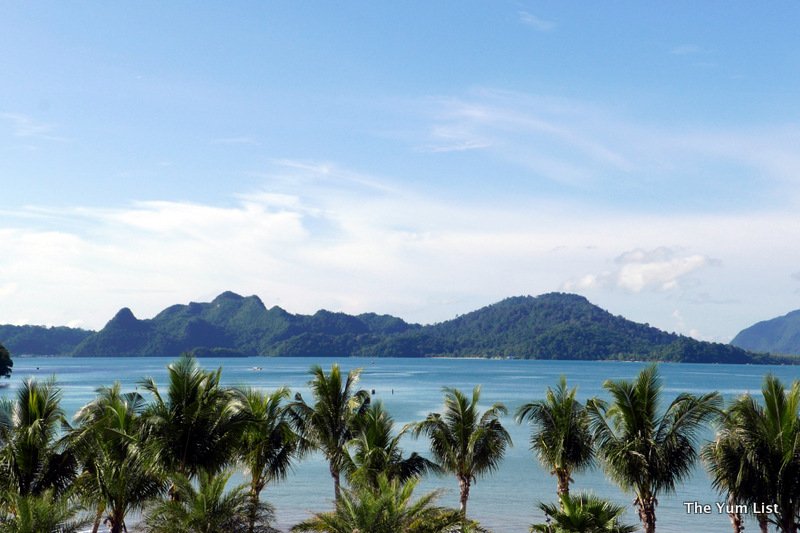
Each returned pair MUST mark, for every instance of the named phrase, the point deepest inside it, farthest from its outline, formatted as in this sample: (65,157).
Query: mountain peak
(228,295)
(124,316)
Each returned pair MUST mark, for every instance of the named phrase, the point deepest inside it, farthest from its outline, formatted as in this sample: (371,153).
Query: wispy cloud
(244,140)
(687,49)
(584,147)
(25,126)
(535,22)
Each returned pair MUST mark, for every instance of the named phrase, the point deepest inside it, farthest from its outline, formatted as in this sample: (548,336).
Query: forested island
(549,326)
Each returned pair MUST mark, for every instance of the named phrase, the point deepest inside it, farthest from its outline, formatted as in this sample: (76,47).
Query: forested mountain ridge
(778,335)
(550,326)
(41,339)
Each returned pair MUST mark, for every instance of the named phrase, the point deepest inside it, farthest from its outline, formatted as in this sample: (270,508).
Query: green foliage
(464,441)
(207,507)
(644,450)
(5,362)
(43,513)
(269,446)
(33,459)
(40,340)
(386,508)
(582,513)
(376,451)
(560,434)
(118,476)
(756,456)
(328,424)
(198,424)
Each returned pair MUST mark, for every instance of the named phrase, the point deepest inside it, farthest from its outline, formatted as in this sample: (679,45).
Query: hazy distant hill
(778,335)
(21,340)
(550,326)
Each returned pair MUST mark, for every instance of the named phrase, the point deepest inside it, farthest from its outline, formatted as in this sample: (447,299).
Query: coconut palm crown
(197,425)
(376,451)
(464,441)
(768,436)
(560,436)
(644,450)
(269,445)
(33,457)
(327,425)
(582,513)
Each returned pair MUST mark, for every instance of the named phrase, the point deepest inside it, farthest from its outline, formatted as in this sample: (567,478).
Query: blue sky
(420,159)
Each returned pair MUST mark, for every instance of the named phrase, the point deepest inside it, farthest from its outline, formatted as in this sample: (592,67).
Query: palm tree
(377,451)
(733,475)
(385,508)
(327,425)
(46,512)
(560,434)
(269,445)
(117,475)
(6,364)
(583,513)
(769,436)
(465,442)
(33,457)
(207,508)
(199,423)
(644,450)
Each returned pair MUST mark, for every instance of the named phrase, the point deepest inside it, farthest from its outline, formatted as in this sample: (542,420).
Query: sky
(421,159)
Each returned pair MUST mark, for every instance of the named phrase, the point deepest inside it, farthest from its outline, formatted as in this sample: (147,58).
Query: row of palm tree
(754,460)
(169,457)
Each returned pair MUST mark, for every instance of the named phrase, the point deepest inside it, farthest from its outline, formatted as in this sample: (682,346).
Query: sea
(505,501)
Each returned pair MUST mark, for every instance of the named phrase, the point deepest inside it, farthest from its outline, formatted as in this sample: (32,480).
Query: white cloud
(27,127)
(687,49)
(320,236)
(535,22)
(637,270)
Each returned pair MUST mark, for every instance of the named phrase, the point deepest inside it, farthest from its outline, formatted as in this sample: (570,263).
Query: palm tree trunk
(98,517)
(336,483)
(463,486)
(763,522)
(255,496)
(563,482)
(736,522)
(736,518)
(647,513)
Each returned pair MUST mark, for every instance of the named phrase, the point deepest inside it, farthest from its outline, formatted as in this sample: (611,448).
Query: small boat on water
(256,369)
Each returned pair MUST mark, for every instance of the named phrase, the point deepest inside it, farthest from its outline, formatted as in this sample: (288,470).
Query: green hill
(550,326)
(779,335)
(40,340)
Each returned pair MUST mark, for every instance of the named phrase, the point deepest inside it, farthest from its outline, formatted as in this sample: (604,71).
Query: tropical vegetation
(5,362)
(560,436)
(329,423)
(645,450)
(165,455)
(465,442)
(582,513)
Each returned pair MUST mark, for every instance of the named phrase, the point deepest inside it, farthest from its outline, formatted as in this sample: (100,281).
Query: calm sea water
(410,389)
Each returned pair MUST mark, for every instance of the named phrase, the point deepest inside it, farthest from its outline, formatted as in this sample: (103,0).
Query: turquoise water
(504,502)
